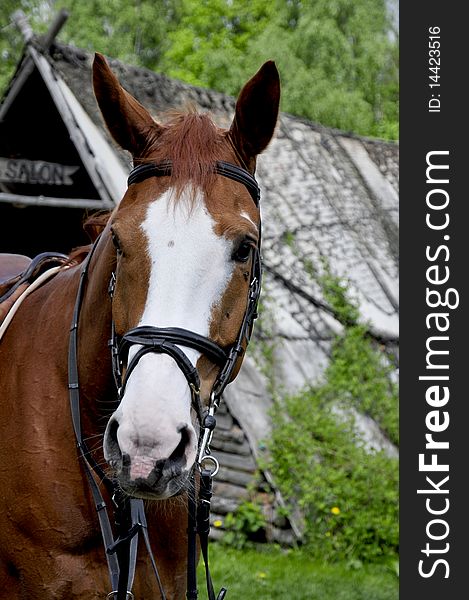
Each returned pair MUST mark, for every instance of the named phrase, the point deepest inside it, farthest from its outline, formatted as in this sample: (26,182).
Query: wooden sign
(35,172)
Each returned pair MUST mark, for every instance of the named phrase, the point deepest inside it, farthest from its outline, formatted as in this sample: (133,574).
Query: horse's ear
(256,113)
(130,124)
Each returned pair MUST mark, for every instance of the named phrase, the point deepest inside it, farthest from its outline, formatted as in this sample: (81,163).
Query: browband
(229,170)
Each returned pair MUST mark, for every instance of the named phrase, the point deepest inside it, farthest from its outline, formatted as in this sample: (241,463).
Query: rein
(129,513)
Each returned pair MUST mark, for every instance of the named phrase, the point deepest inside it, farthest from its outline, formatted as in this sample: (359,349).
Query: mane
(193,143)
(93,226)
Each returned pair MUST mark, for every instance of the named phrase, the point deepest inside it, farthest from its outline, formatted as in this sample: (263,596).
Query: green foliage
(134,32)
(347,492)
(243,525)
(336,295)
(11,40)
(359,374)
(338,59)
(211,41)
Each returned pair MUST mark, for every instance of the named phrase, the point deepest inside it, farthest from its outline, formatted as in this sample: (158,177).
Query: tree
(338,59)
(117,28)
(11,40)
(133,32)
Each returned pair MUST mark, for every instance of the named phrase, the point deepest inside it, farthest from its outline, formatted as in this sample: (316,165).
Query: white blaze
(190,269)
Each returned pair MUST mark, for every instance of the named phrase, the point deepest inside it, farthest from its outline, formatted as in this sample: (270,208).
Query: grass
(273,574)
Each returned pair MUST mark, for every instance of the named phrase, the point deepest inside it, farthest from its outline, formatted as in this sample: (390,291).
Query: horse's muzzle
(150,470)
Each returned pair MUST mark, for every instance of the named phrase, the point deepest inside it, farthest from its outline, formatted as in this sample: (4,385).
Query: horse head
(184,243)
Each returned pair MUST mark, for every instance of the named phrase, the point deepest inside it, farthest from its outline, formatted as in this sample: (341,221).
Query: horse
(175,256)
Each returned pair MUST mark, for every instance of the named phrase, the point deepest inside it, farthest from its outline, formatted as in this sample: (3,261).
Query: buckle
(112,287)
(194,388)
(207,459)
(112,595)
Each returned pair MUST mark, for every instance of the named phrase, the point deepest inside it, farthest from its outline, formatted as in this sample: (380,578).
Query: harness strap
(121,556)
(225,375)
(192,592)
(88,461)
(229,170)
(105,525)
(163,347)
(126,545)
(155,345)
(143,522)
(199,524)
(175,335)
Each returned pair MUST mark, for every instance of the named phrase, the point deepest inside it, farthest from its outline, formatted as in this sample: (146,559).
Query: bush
(347,492)
(247,524)
(360,373)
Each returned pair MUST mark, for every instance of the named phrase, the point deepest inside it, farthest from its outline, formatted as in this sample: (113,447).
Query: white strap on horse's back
(18,302)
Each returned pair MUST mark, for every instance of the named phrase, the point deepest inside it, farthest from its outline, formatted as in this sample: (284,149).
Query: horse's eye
(243,252)
(116,242)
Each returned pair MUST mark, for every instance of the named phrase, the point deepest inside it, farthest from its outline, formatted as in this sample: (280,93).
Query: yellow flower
(217,523)
(261,574)
(335,510)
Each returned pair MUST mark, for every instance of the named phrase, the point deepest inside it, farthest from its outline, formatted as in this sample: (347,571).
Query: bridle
(129,514)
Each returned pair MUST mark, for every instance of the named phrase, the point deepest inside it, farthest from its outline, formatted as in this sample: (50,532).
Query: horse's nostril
(113,451)
(178,454)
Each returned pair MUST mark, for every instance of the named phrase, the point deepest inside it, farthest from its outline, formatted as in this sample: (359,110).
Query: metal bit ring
(213,460)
